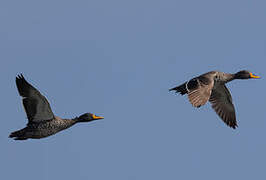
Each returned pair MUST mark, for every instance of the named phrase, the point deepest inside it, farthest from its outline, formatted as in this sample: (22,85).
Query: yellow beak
(254,76)
(97,117)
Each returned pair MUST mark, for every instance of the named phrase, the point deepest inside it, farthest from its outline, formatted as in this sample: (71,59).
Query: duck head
(87,117)
(245,75)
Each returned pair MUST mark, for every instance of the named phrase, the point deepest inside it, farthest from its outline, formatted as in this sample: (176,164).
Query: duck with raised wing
(211,87)
(41,120)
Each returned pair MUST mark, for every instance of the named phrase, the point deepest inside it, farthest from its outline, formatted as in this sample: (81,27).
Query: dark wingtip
(233,126)
(20,76)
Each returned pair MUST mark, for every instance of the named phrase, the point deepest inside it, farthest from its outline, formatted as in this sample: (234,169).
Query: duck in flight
(211,87)
(41,120)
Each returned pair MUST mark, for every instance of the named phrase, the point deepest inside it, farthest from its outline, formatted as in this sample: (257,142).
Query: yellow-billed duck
(211,87)
(41,120)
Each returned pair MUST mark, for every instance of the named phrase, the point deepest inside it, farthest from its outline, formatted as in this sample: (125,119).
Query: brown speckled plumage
(211,87)
(41,120)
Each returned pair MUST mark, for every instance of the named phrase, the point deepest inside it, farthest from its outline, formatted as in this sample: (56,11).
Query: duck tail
(180,89)
(18,135)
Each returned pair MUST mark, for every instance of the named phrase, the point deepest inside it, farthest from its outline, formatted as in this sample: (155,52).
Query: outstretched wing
(35,104)
(221,101)
(199,90)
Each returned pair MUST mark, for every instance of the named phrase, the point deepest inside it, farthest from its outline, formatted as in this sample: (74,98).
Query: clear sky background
(117,59)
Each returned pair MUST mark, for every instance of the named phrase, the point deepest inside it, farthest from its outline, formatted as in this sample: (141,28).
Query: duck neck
(239,76)
(70,122)
(230,77)
(225,77)
(80,119)
(76,119)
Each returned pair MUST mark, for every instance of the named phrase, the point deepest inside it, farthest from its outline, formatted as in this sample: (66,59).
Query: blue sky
(118,59)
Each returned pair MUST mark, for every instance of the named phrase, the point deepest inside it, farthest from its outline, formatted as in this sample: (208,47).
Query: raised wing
(35,104)
(221,101)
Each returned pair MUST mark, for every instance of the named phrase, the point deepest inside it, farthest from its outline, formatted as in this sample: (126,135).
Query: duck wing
(35,104)
(199,90)
(222,104)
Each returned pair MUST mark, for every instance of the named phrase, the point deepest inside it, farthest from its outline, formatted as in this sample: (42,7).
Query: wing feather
(222,104)
(35,104)
(200,89)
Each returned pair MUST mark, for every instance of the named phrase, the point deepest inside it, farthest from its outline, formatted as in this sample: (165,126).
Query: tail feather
(18,135)
(180,89)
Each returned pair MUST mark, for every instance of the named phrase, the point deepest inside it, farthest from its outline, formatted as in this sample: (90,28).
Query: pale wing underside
(201,94)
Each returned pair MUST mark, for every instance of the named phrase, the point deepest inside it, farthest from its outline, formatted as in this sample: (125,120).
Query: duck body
(43,129)
(41,120)
(211,87)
